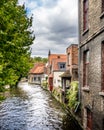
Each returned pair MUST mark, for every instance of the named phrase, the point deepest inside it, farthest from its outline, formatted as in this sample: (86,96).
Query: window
(75,74)
(102,5)
(102,66)
(62,66)
(85,68)
(102,124)
(59,80)
(68,59)
(85,15)
(89,120)
(38,78)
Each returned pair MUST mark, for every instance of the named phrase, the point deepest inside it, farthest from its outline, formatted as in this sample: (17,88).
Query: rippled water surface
(29,107)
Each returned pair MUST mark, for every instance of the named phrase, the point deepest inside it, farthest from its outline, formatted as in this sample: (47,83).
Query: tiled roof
(38,68)
(54,59)
(55,65)
(56,56)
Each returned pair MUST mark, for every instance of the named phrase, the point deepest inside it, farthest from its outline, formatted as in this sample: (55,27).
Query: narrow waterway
(29,107)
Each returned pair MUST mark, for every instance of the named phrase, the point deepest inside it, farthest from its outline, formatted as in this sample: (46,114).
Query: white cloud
(54,24)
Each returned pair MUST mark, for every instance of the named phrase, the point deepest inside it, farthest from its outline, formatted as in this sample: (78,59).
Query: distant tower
(49,53)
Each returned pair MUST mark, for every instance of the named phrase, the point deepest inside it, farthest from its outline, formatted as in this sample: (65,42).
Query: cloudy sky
(54,23)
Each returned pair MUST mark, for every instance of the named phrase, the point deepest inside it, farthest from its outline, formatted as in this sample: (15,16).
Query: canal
(29,107)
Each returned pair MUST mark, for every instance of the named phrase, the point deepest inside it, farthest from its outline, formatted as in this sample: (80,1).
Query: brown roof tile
(55,62)
(56,56)
(38,68)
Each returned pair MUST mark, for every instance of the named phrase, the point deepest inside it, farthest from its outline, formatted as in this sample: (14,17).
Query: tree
(16,37)
(40,59)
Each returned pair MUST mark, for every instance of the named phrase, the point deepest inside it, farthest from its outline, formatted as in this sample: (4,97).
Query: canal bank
(74,113)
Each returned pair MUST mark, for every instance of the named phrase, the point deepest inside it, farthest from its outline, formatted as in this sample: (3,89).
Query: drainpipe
(79,58)
(79,89)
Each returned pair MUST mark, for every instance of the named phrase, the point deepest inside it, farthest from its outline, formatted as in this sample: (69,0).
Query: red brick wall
(73,51)
(73,62)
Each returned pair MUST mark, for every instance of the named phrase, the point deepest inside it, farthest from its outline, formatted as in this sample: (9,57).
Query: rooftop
(38,68)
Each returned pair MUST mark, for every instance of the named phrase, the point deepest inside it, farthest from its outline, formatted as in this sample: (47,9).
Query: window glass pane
(87,56)
(68,59)
(62,66)
(86,68)
(86,5)
(39,78)
(86,74)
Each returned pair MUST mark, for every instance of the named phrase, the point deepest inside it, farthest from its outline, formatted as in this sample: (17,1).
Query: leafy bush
(72,95)
(57,93)
(2,98)
(2,89)
(44,84)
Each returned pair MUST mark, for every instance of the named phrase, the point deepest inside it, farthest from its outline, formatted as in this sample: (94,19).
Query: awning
(66,74)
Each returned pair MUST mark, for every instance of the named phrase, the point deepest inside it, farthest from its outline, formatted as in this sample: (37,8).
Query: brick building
(71,73)
(37,73)
(72,61)
(56,66)
(91,62)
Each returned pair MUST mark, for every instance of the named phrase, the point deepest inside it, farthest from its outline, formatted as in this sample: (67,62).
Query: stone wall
(92,97)
(92,39)
(95,19)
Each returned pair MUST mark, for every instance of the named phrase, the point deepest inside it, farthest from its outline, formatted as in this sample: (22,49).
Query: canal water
(29,107)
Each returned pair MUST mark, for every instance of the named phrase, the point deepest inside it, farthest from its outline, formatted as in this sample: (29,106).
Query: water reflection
(29,107)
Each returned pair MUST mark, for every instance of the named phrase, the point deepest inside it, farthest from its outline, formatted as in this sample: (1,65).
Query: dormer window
(62,66)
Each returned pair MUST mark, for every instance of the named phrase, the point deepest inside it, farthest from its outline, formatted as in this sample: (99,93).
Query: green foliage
(2,89)
(56,92)
(72,95)
(15,40)
(40,59)
(45,84)
(2,98)
(37,60)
